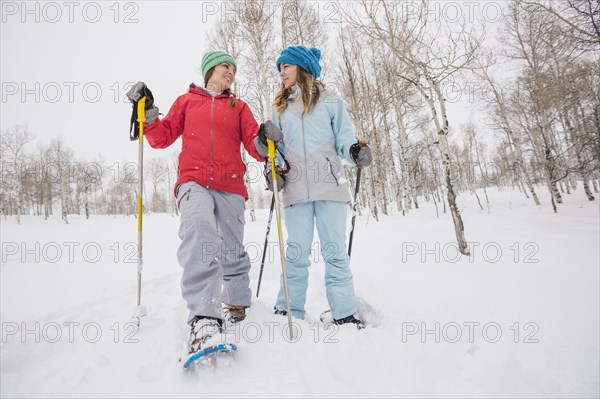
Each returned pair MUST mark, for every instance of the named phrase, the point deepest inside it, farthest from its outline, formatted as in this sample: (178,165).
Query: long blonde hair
(306,82)
(228,91)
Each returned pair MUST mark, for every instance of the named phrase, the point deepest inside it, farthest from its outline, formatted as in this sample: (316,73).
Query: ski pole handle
(271,149)
(141,118)
(141,110)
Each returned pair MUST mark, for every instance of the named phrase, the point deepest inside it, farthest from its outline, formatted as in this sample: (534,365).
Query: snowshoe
(206,341)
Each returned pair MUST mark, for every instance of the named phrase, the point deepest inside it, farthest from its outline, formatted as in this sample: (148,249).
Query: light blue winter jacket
(313,145)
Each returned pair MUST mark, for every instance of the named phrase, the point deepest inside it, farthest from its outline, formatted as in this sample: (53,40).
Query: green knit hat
(214,58)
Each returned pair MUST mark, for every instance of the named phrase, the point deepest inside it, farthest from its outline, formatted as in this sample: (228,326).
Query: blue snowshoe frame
(215,349)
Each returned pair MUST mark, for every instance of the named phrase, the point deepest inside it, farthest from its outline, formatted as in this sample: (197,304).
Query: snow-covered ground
(518,318)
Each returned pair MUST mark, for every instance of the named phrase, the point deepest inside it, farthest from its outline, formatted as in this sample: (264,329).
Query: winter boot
(327,318)
(234,314)
(280,312)
(204,332)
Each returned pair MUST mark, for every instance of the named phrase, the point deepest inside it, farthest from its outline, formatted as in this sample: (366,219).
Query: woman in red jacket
(210,193)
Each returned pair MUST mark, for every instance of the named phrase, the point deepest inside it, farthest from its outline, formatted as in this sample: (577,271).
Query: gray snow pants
(215,264)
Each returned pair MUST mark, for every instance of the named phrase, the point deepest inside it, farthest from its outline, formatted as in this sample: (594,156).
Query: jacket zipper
(331,170)
(212,165)
(305,161)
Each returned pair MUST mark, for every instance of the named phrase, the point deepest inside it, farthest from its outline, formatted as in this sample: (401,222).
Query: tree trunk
(442,136)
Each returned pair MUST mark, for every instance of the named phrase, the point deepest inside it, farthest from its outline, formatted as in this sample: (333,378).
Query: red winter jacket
(212,133)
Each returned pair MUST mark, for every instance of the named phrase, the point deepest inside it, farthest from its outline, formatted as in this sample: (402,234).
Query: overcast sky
(64,73)
(64,66)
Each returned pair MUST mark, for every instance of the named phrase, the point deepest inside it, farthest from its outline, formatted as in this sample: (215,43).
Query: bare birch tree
(501,120)
(61,158)
(14,161)
(300,25)
(544,102)
(579,19)
(156,169)
(432,56)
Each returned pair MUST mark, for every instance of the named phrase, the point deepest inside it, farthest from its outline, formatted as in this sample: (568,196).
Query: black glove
(361,153)
(267,130)
(280,178)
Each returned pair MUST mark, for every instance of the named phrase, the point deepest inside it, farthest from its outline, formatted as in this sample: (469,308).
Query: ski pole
(271,146)
(141,118)
(262,263)
(354,207)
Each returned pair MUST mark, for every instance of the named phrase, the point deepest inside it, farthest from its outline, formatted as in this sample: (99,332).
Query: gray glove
(136,92)
(267,130)
(361,153)
(151,115)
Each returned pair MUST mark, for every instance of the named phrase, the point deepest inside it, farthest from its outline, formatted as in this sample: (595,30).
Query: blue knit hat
(307,58)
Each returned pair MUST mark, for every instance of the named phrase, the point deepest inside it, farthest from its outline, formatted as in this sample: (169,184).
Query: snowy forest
(535,91)
(474,246)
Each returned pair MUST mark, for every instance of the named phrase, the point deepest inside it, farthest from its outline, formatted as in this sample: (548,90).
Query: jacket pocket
(184,196)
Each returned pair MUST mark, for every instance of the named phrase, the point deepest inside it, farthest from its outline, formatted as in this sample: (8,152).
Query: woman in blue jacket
(317,135)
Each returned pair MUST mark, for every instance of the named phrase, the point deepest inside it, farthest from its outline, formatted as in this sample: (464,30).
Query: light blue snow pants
(215,263)
(330,217)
